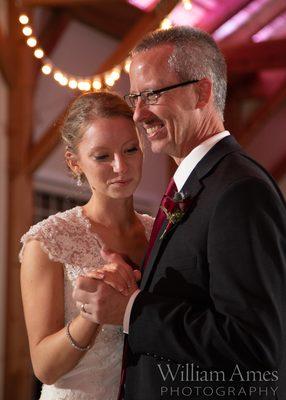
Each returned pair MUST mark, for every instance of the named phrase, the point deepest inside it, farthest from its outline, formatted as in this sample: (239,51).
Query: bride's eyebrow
(97,148)
(132,141)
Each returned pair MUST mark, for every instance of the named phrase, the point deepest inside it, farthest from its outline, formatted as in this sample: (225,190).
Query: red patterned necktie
(169,205)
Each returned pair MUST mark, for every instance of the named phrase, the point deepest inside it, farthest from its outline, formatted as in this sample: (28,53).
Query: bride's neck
(112,213)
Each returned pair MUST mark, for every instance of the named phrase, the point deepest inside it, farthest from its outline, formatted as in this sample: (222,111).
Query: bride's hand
(117,273)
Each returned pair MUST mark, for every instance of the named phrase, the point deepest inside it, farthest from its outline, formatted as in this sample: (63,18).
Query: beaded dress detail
(67,238)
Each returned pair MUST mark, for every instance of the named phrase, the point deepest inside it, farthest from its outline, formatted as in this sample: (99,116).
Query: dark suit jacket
(209,322)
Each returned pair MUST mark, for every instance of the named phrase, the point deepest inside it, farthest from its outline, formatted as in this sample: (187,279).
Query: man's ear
(72,162)
(204,90)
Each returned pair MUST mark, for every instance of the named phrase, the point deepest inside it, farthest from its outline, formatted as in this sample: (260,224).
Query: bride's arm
(42,285)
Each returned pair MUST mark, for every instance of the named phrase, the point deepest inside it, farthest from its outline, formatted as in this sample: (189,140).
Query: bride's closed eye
(132,150)
(106,157)
(101,157)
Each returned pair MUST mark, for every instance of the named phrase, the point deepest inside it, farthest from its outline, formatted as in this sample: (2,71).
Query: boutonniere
(176,210)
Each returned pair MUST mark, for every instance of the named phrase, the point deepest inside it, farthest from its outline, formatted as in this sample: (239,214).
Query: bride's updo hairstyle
(85,110)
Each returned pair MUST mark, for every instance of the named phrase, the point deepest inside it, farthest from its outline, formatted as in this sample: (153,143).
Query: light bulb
(38,53)
(84,85)
(127,65)
(27,30)
(115,74)
(23,19)
(63,81)
(96,84)
(58,76)
(32,41)
(109,80)
(46,69)
(166,24)
(72,83)
(187,5)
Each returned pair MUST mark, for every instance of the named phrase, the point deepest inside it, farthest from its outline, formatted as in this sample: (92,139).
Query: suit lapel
(192,189)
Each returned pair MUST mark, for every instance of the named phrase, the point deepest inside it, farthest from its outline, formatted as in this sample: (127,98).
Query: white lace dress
(67,238)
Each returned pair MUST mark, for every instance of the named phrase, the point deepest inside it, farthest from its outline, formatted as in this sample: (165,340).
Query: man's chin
(158,148)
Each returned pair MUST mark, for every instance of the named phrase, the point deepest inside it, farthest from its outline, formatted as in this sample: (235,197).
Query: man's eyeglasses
(151,97)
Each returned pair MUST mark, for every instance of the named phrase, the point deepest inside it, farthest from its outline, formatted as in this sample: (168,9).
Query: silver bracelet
(72,342)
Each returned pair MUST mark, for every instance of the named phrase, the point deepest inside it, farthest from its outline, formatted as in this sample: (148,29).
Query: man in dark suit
(209,318)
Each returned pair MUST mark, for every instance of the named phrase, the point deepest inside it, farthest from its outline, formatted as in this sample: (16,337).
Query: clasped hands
(106,291)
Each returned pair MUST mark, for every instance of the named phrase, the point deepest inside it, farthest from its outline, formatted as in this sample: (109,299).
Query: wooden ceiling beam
(224,10)
(57,3)
(147,23)
(253,57)
(99,16)
(262,17)
(6,64)
(41,150)
(53,30)
(150,21)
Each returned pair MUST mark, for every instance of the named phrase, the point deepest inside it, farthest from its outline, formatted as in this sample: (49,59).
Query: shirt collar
(194,157)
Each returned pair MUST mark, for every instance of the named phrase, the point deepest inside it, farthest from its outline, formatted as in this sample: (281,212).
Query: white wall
(3,213)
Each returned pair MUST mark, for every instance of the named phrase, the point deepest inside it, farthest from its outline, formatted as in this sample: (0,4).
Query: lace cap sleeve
(147,222)
(53,233)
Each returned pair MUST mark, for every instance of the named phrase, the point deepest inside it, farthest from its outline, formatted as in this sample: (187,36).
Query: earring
(79,180)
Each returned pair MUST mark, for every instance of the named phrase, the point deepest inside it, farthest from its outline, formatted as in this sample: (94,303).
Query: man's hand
(117,273)
(102,303)
(102,295)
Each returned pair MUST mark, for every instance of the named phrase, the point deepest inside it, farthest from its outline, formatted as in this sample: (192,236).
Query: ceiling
(251,33)
(231,21)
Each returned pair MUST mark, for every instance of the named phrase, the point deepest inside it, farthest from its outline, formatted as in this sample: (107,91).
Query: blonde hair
(85,110)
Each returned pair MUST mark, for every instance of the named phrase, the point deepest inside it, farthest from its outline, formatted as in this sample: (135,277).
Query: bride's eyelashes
(106,157)
(132,150)
(102,157)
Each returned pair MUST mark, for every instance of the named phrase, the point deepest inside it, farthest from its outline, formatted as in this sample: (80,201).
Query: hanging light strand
(93,82)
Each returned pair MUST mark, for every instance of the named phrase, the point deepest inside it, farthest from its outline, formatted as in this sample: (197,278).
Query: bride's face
(110,156)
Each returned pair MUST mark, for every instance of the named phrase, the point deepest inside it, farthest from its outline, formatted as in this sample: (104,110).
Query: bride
(74,357)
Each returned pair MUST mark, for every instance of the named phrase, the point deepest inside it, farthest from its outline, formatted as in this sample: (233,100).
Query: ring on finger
(82,308)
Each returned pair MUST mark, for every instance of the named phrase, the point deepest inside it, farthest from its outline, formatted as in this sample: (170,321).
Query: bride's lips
(121,182)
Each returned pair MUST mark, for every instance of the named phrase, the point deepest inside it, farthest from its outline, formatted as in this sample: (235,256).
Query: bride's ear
(72,162)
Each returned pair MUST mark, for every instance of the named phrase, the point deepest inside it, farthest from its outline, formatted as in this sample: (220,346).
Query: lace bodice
(67,238)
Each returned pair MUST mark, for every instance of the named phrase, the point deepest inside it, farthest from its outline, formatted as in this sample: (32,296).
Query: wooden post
(18,375)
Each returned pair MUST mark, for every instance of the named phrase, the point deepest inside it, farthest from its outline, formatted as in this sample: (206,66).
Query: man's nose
(119,164)
(140,111)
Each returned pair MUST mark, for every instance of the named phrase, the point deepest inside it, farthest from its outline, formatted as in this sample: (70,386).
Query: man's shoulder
(239,165)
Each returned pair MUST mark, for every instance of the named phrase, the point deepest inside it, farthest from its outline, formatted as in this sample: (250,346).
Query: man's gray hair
(195,56)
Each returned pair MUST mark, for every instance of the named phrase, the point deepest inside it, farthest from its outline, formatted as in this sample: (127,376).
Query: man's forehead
(158,53)
(150,67)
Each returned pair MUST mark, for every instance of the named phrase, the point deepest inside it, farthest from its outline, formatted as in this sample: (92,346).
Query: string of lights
(87,83)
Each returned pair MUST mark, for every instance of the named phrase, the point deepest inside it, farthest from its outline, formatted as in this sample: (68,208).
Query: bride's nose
(119,164)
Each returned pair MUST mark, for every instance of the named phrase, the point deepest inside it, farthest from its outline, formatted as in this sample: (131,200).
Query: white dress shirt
(180,177)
